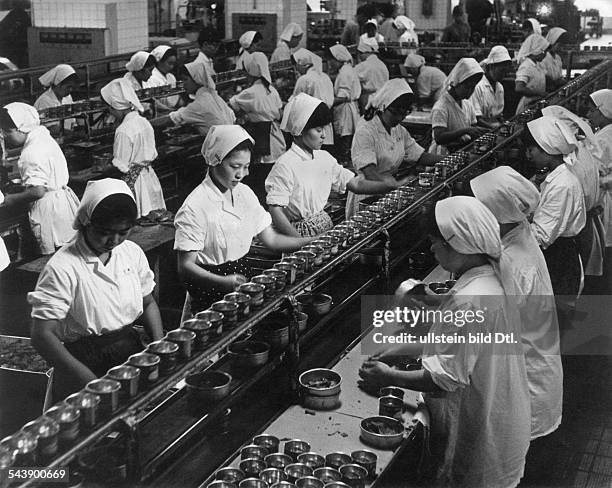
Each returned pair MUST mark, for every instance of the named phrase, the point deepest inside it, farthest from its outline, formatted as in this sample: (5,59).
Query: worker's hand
(475,132)
(404,181)
(233,281)
(376,373)
(8,201)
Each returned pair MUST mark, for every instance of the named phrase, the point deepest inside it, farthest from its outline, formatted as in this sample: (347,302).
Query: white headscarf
(414,61)
(603,101)
(257,65)
(389,92)
(497,54)
(535,25)
(95,192)
(506,193)
(197,70)
(24,116)
(367,45)
(534,45)
(403,22)
(297,112)
(468,226)
(292,30)
(56,75)
(305,57)
(220,141)
(137,61)
(464,68)
(159,52)
(555,137)
(554,34)
(246,40)
(373,22)
(5,259)
(341,53)
(570,118)
(120,95)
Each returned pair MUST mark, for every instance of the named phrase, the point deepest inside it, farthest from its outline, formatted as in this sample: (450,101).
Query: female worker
(288,41)
(314,82)
(371,32)
(429,80)
(476,394)
(407,36)
(298,186)
(207,108)
(219,219)
(512,199)
(134,146)
(249,43)
(165,62)
(59,83)
(208,41)
(381,144)
(560,215)
(261,106)
(372,72)
(530,79)
(91,292)
(552,62)
(488,96)
(44,173)
(529,28)
(453,117)
(139,69)
(347,90)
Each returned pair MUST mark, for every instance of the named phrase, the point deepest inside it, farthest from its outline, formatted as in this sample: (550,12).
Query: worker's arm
(281,221)
(521,88)
(30,194)
(151,318)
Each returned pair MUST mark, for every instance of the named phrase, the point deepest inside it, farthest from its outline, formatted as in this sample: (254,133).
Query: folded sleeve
(147,278)
(122,152)
(363,149)
(340,177)
(548,218)
(477,100)
(439,116)
(32,169)
(279,185)
(54,293)
(190,231)
(424,85)
(412,150)
(524,73)
(190,114)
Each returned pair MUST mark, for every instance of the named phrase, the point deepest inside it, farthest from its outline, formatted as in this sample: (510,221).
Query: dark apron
(203,297)
(563,262)
(102,352)
(260,132)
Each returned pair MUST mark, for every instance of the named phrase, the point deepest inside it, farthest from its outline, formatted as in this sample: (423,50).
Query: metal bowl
(327,475)
(312,402)
(253,451)
(337,484)
(296,471)
(391,391)
(231,475)
(312,460)
(249,353)
(209,386)
(336,459)
(318,303)
(252,467)
(268,441)
(272,475)
(222,484)
(320,382)
(354,475)
(290,269)
(283,484)
(278,460)
(367,460)
(309,482)
(295,447)
(253,483)
(370,432)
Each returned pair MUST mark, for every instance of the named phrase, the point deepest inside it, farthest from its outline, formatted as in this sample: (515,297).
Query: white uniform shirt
(346,115)
(207,109)
(553,66)
(372,73)
(450,114)
(488,102)
(88,297)
(282,52)
(208,223)
(210,67)
(603,137)
(262,105)
(42,163)
(479,430)
(527,281)
(532,74)
(160,79)
(320,86)
(133,81)
(379,37)
(48,99)
(561,211)
(430,82)
(302,183)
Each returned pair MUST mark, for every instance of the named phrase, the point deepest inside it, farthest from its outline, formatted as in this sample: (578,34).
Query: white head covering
(570,118)
(603,101)
(297,112)
(95,192)
(137,61)
(532,46)
(5,259)
(257,65)
(389,92)
(464,68)
(305,57)
(403,22)
(120,95)
(341,53)
(506,193)
(373,22)
(537,28)
(555,137)
(24,116)
(497,54)
(367,45)
(246,40)
(292,30)
(414,61)
(554,34)
(197,70)
(468,226)
(56,75)
(220,140)
(159,52)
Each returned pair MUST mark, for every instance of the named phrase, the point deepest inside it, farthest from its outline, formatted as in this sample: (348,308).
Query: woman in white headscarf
(476,393)
(288,41)
(314,82)
(91,292)
(488,96)
(408,37)
(372,72)
(59,83)
(44,173)
(381,144)
(453,117)
(347,90)
(261,106)
(512,199)
(560,215)
(139,69)
(530,79)
(552,62)
(165,62)
(207,108)
(134,147)
(429,79)
(219,219)
(371,32)
(298,186)
(249,43)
